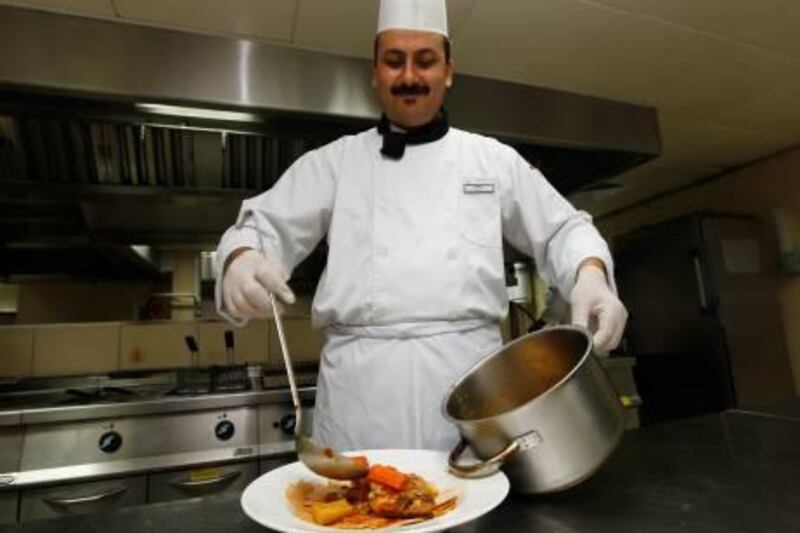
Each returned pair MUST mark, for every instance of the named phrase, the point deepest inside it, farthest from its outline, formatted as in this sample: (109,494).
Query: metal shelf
(66,191)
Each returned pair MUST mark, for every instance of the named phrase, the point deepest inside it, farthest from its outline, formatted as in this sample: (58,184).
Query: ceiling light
(198,112)
(143,251)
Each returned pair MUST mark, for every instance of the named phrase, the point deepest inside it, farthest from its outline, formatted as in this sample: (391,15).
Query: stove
(99,395)
(91,428)
(39,393)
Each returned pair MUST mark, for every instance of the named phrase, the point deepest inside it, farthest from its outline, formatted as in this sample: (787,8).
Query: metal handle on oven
(228,476)
(67,502)
(701,286)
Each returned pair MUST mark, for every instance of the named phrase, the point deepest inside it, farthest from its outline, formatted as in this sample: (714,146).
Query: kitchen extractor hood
(69,65)
(90,261)
(146,64)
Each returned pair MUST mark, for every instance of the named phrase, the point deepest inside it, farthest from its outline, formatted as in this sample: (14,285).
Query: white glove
(596,307)
(245,284)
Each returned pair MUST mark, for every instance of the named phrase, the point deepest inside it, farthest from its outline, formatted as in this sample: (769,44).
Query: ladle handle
(286,360)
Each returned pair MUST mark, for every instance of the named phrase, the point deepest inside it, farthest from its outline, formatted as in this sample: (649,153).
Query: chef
(414,212)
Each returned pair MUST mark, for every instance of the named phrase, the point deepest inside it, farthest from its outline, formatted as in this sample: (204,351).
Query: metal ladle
(317,457)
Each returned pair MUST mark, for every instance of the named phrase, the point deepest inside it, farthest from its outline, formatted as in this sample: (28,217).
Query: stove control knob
(110,441)
(287,423)
(224,430)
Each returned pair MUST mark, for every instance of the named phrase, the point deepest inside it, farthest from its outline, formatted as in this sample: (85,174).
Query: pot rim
(549,392)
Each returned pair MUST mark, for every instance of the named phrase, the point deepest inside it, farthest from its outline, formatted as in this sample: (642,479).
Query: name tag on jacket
(479,188)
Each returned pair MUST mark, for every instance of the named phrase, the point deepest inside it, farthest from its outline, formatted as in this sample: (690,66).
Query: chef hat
(424,15)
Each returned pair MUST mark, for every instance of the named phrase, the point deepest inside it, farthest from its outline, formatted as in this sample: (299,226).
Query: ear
(450,70)
(374,81)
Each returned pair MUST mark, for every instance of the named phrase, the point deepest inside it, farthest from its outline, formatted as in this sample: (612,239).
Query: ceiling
(724,74)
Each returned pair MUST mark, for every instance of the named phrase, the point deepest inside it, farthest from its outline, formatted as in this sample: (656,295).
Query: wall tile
(159,345)
(251,342)
(304,343)
(69,349)
(16,351)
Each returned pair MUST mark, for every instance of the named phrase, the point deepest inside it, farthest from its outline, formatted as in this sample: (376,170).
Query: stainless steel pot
(542,407)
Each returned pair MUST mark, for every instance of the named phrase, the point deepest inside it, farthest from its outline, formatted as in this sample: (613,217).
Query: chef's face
(411,75)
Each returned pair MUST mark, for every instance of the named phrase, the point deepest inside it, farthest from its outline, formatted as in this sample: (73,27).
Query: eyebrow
(415,52)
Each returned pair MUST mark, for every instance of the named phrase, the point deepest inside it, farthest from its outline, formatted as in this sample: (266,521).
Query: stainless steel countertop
(719,473)
(11,418)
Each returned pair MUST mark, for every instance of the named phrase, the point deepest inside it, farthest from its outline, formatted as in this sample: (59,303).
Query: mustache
(410,90)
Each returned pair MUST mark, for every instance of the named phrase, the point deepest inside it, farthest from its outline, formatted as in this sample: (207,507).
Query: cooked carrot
(362,459)
(388,476)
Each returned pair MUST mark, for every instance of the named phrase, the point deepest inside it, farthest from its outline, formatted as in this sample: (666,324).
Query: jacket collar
(394,142)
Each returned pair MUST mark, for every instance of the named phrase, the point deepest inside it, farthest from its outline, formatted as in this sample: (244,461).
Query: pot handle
(484,468)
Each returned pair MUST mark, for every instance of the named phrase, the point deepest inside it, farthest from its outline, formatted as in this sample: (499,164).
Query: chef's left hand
(595,306)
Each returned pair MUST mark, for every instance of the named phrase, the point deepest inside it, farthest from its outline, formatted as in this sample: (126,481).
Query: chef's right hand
(247,281)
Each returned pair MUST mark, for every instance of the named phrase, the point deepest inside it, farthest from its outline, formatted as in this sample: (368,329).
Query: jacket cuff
(603,256)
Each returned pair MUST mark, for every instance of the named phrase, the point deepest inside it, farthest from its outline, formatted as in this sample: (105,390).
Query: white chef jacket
(415,252)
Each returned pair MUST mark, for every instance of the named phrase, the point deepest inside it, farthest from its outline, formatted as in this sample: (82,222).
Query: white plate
(264,500)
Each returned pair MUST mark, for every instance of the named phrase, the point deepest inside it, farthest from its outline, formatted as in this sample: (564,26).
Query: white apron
(383,386)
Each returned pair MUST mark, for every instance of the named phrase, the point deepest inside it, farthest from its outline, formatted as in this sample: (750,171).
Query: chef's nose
(409,75)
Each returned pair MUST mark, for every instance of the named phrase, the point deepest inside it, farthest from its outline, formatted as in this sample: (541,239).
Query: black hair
(375,49)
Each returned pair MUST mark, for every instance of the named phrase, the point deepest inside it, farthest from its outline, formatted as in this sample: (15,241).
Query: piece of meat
(358,491)
(417,499)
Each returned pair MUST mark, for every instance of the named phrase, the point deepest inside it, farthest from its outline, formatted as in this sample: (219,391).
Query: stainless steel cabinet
(10,453)
(82,498)
(190,483)
(10,448)
(8,507)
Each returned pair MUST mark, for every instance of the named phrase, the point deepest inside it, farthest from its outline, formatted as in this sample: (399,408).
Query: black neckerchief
(394,142)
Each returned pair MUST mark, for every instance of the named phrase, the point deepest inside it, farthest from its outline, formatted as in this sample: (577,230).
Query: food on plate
(385,497)
(329,512)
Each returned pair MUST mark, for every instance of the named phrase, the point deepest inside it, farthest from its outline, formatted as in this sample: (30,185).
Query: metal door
(81,498)
(203,481)
(8,507)
(673,331)
(742,265)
